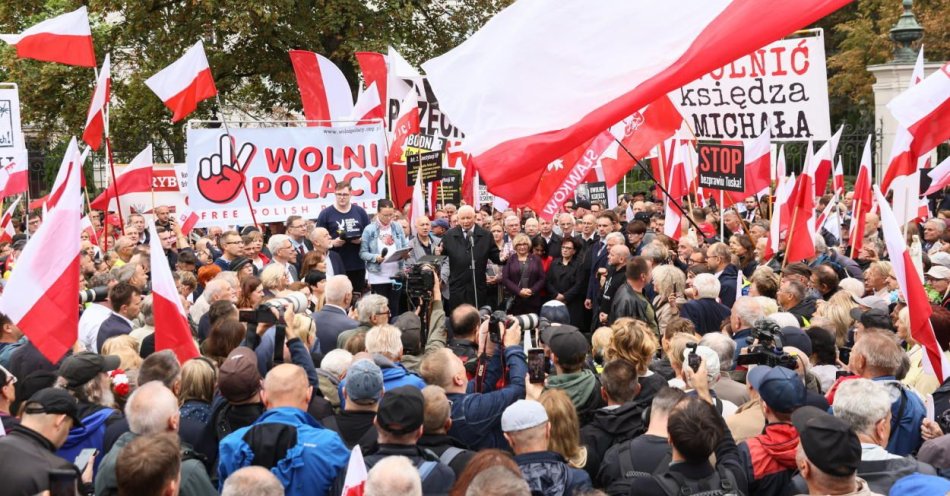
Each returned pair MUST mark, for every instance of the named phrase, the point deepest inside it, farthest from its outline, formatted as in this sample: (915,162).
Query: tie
(466,234)
(300,249)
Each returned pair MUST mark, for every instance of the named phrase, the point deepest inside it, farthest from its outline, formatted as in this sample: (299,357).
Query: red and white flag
(829,219)
(7,227)
(136,178)
(801,238)
(187,219)
(921,329)
(924,110)
(172,331)
(838,178)
(72,159)
(40,297)
(539,79)
(565,174)
(373,68)
(356,475)
(639,133)
(939,177)
(96,117)
(861,202)
(323,88)
(780,215)
(758,164)
(66,39)
(418,208)
(826,157)
(407,124)
(368,106)
(185,83)
(678,188)
(780,173)
(14,176)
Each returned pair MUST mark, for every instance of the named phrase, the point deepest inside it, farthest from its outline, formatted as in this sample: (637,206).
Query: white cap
(523,414)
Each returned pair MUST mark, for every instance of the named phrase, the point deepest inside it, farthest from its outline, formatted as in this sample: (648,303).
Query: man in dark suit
(332,320)
(705,312)
(126,301)
(320,241)
(296,229)
(718,258)
(462,245)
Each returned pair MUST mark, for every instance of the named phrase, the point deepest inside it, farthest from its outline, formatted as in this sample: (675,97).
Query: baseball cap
(364,381)
(938,272)
(874,317)
(828,442)
(568,344)
(780,388)
(523,414)
(239,380)
(940,258)
(401,410)
(444,224)
(920,485)
(868,302)
(84,367)
(54,400)
(795,336)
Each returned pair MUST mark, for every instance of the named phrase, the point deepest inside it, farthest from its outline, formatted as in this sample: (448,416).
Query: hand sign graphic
(221,175)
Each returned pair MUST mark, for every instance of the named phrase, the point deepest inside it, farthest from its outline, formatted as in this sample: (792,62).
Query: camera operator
(476,416)
(465,323)
(411,326)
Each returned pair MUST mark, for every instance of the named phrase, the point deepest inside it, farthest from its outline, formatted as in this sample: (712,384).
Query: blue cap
(920,484)
(364,382)
(444,224)
(780,388)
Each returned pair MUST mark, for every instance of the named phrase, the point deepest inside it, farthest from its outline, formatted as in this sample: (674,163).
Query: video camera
(420,280)
(768,350)
(93,295)
(526,321)
(263,314)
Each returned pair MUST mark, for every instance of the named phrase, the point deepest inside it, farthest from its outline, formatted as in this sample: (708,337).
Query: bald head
(152,409)
(286,386)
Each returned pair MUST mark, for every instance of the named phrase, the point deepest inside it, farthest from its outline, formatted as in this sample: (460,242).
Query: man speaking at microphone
(468,248)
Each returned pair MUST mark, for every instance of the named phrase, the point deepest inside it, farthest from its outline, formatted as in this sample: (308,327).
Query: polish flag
(369,107)
(826,156)
(924,110)
(407,124)
(356,476)
(96,117)
(184,83)
(373,67)
(136,178)
(14,177)
(7,228)
(66,39)
(829,219)
(323,88)
(187,219)
(861,203)
(838,180)
(780,213)
(780,173)
(939,177)
(172,331)
(506,85)
(758,164)
(801,239)
(398,71)
(678,188)
(72,159)
(40,297)
(912,288)
(418,208)
(902,161)
(86,225)
(639,133)
(565,174)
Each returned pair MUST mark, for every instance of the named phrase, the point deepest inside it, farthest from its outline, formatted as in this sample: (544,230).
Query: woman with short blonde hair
(565,427)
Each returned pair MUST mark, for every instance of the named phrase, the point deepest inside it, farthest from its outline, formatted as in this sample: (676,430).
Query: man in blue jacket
(476,412)
(304,456)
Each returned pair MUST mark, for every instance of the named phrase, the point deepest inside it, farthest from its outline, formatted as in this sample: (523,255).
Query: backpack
(720,483)
(628,471)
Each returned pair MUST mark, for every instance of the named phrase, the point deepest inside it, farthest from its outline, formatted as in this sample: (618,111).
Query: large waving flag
(826,158)
(780,216)
(373,67)
(14,176)
(758,164)
(42,293)
(72,159)
(185,83)
(323,88)
(639,133)
(96,117)
(66,39)
(7,228)
(678,187)
(172,331)
(136,178)
(542,77)
(924,110)
(861,203)
(912,288)
(939,177)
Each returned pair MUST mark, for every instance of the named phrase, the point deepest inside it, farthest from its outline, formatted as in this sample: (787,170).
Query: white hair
(254,480)
(769,305)
(385,340)
(862,403)
(784,319)
(337,288)
(614,235)
(214,288)
(150,407)
(723,345)
(498,480)
(568,216)
(853,286)
(370,305)
(748,310)
(336,362)
(707,286)
(393,475)
(276,241)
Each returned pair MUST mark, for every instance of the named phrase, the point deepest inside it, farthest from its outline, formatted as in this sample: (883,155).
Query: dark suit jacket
(336,262)
(331,322)
(309,247)
(705,313)
(727,285)
(113,326)
(459,253)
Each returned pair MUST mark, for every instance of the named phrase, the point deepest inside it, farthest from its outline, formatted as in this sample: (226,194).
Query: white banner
(11,134)
(287,171)
(784,84)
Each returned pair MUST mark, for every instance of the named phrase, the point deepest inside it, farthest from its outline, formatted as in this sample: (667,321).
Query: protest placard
(429,162)
(721,167)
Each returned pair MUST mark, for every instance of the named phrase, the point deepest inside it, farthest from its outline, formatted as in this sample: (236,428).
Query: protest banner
(591,193)
(721,167)
(434,126)
(286,171)
(430,163)
(11,134)
(450,187)
(783,85)
(168,190)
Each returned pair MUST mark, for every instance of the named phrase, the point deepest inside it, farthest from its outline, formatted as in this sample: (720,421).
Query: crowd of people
(485,352)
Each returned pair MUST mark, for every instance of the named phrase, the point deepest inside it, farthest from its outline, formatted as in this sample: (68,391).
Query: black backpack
(721,483)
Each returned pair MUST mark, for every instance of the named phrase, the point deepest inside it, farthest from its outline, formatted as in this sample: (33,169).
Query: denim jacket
(370,248)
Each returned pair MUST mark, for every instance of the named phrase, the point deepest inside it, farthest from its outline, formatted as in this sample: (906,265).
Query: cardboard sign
(450,188)
(721,167)
(591,193)
(430,163)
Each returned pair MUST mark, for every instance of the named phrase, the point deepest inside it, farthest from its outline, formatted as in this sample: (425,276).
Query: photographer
(411,326)
(476,416)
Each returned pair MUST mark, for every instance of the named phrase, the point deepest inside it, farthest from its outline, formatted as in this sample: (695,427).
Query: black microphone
(383,254)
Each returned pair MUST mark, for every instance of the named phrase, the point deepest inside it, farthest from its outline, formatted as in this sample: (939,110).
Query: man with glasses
(232,247)
(283,253)
(719,259)
(345,223)
(297,232)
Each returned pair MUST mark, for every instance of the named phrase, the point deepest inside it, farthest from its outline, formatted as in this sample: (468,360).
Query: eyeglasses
(342,194)
(234,243)
(386,312)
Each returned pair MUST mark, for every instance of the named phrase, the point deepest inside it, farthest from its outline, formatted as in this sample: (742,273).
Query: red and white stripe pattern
(539,78)
(939,177)
(96,117)
(908,280)
(758,164)
(66,39)
(185,83)
(801,237)
(373,68)
(136,178)
(356,475)
(7,228)
(369,107)
(780,215)
(187,219)
(418,208)
(40,297)
(780,173)
(924,110)
(678,188)
(861,202)
(14,176)
(172,331)
(829,219)
(838,178)
(323,88)
(826,157)
(407,124)
(72,159)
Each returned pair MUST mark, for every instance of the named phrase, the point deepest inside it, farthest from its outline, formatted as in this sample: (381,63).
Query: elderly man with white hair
(333,319)
(933,236)
(725,388)
(468,248)
(283,253)
(705,312)
(745,313)
(393,475)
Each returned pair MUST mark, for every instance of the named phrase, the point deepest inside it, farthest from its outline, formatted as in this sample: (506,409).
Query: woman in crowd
(523,278)
(744,253)
(634,342)
(316,280)
(312,261)
(205,274)
(198,378)
(381,238)
(483,460)
(274,280)
(669,283)
(252,293)
(565,280)
(539,247)
(916,377)
(838,312)
(565,427)
(226,335)
(253,246)
(824,356)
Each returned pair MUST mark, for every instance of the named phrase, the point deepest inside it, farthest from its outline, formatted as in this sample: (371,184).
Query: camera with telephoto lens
(263,314)
(420,280)
(93,295)
(526,321)
(768,350)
